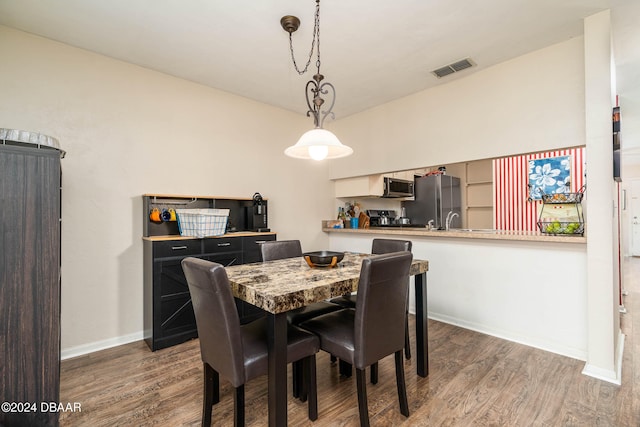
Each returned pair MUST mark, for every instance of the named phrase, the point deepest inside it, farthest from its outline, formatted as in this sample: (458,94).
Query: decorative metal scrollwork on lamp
(318,143)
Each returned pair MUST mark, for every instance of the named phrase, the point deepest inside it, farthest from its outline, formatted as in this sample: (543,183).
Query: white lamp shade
(318,144)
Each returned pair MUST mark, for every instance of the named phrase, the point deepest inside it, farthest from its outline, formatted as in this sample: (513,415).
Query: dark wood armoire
(30,215)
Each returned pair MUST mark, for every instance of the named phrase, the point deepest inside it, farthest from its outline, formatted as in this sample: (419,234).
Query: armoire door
(29,283)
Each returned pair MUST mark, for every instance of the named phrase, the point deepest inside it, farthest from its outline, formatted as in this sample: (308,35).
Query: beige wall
(128,131)
(532,103)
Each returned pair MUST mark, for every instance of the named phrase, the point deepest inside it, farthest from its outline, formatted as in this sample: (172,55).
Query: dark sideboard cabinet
(29,283)
(168,312)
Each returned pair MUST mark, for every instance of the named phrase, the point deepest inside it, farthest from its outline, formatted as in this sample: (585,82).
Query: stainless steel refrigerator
(435,197)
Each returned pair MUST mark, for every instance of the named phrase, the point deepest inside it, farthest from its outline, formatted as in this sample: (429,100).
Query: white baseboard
(546,346)
(80,350)
(608,375)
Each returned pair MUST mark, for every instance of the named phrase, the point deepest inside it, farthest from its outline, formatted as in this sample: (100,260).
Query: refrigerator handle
(439,212)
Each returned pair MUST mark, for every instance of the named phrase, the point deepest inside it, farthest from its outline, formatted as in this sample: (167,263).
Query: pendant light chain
(318,143)
(316,40)
(318,34)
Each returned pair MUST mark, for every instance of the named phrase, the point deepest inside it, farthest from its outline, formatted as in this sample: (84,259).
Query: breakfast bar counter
(485,234)
(525,287)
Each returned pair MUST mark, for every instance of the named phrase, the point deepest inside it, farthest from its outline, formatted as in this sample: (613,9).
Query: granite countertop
(283,285)
(530,236)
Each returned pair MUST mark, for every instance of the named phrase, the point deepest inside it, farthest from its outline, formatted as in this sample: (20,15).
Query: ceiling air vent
(453,68)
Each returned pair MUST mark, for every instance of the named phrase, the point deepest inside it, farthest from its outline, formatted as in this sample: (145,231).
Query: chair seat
(336,332)
(310,311)
(346,301)
(300,344)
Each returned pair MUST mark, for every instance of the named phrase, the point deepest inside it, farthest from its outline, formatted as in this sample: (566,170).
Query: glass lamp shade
(318,144)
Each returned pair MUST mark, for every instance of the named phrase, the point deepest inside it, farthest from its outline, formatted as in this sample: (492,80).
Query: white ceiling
(372,51)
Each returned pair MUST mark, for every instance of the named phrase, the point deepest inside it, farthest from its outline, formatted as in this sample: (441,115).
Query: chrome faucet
(430,225)
(450,217)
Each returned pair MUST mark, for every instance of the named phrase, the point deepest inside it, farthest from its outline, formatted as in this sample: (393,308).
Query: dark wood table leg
(422,341)
(277,337)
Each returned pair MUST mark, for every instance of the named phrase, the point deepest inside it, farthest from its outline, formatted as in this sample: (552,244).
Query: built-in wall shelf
(479,194)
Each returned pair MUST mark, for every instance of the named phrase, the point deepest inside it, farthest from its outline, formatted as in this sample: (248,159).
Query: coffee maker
(256,214)
(381,218)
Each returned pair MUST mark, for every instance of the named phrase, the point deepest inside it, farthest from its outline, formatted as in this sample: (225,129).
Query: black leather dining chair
(237,352)
(383,246)
(375,328)
(282,249)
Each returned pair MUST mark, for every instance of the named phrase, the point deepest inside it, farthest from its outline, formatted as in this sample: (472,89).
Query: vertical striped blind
(513,210)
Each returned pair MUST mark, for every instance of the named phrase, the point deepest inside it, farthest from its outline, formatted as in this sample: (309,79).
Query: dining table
(283,285)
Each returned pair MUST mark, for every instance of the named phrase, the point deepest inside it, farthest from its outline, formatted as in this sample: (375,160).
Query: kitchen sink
(474,230)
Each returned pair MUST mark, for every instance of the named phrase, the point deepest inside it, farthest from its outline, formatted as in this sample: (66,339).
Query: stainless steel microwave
(394,187)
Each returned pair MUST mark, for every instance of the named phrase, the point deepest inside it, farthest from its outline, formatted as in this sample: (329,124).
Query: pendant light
(318,143)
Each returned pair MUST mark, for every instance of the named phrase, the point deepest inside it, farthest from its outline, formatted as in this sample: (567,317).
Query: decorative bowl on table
(323,258)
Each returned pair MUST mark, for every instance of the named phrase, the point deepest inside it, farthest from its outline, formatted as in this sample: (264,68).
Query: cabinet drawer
(223,244)
(176,248)
(251,247)
(252,242)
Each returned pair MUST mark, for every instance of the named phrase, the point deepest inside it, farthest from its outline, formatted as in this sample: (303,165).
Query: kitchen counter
(531,236)
(525,287)
(234,234)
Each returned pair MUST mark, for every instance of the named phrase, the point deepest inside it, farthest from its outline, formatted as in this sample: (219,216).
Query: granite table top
(287,284)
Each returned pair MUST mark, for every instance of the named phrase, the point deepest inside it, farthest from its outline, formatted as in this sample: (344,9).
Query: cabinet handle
(176,248)
(224,244)
(258,242)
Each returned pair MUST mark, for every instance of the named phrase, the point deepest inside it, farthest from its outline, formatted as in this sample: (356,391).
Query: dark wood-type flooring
(475,380)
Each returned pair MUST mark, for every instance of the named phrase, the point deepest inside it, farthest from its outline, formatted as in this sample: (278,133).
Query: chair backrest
(381,308)
(385,246)
(216,318)
(280,249)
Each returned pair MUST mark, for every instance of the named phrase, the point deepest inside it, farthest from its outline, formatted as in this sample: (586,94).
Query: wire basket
(202,222)
(561,227)
(557,198)
(562,198)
